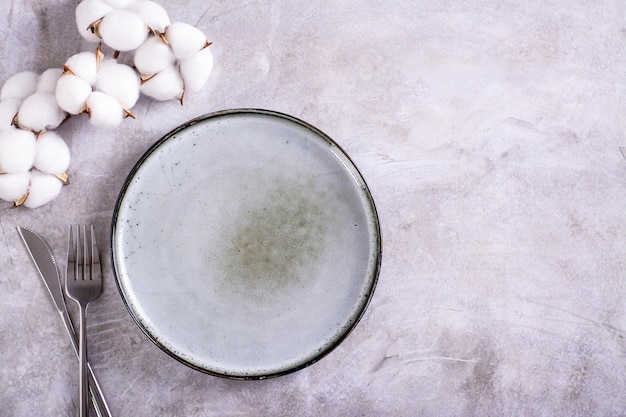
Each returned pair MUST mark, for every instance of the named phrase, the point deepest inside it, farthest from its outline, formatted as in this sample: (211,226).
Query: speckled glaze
(246,244)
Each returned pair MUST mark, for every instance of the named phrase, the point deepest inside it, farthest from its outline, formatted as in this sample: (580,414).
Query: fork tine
(95,257)
(71,256)
(80,260)
(86,256)
(78,271)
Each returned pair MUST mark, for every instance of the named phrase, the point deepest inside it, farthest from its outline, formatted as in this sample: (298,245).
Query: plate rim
(359,180)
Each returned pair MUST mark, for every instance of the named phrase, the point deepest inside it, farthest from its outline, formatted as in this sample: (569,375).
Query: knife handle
(97,398)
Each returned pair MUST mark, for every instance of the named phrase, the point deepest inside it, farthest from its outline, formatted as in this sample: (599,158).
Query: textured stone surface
(489,135)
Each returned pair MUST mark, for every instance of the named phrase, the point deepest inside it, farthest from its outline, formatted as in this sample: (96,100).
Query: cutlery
(44,261)
(83,284)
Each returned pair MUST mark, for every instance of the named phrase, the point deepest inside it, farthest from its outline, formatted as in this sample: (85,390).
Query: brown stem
(65,179)
(21,201)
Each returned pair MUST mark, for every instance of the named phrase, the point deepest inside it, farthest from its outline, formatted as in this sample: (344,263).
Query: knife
(43,258)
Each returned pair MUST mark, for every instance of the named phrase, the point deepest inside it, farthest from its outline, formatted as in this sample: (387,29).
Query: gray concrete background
(489,134)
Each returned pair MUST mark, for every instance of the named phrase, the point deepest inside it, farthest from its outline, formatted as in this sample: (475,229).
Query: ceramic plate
(246,244)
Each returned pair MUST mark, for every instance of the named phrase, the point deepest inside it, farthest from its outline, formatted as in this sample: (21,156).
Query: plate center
(274,240)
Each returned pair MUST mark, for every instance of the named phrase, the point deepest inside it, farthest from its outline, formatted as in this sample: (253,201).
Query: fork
(83,283)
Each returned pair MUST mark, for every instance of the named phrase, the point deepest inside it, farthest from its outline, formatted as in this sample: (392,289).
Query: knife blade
(44,261)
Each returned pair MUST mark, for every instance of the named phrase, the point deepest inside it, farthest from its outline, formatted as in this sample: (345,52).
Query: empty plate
(246,244)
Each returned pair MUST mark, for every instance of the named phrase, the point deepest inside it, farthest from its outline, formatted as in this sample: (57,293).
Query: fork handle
(97,397)
(83,388)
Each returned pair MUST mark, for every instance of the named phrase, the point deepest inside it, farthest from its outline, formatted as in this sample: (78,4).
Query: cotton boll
(153,56)
(40,111)
(119,81)
(196,70)
(8,111)
(88,12)
(120,4)
(43,189)
(48,80)
(71,93)
(166,85)
(17,150)
(184,39)
(21,85)
(123,30)
(14,186)
(83,65)
(104,110)
(153,14)
(52,155)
